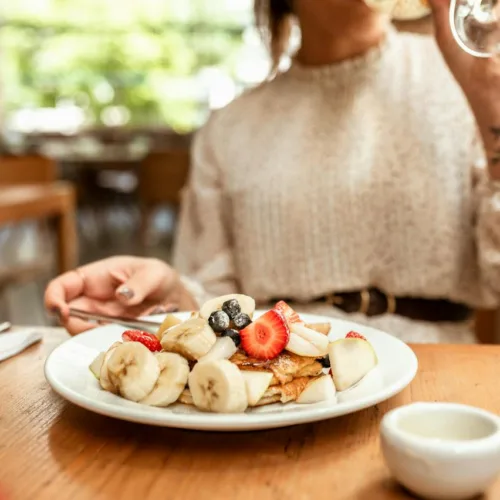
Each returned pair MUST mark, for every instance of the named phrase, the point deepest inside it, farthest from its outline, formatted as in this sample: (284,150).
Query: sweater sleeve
(202,250)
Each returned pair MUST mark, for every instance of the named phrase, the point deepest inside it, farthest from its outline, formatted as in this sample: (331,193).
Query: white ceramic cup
(442,451)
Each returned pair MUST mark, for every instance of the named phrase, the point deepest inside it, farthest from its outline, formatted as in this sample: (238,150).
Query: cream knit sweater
(340,177)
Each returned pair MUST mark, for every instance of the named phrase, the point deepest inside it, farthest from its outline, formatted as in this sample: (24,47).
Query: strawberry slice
(355,335)
(266,337)
(290,315)
(145,338)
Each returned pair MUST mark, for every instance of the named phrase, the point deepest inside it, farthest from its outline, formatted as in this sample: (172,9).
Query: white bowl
(442,451)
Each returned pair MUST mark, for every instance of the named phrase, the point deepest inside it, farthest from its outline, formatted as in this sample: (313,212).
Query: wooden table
(50,449)
(53,200)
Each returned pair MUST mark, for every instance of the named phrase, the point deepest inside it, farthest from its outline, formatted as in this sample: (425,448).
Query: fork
(150,326)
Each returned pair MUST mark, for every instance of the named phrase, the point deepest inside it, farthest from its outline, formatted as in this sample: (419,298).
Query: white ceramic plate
(67,371)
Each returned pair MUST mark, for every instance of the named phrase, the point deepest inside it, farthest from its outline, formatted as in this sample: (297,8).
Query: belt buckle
(364,304)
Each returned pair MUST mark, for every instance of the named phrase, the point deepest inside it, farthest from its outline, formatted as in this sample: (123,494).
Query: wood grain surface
(50,449)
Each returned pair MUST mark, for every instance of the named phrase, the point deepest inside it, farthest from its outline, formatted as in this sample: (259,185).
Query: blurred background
(98,103)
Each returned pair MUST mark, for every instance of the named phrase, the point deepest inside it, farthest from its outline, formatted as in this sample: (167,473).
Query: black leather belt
(374,302)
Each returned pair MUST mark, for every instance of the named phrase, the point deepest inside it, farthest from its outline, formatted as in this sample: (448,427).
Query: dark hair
(274,21)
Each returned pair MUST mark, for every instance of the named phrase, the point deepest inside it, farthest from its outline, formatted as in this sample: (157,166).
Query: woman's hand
(479,79)
(119,286)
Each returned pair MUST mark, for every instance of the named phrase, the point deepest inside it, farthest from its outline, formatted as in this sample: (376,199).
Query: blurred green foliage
(100,53)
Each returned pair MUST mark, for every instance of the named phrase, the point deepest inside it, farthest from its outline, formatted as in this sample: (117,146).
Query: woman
(347,185)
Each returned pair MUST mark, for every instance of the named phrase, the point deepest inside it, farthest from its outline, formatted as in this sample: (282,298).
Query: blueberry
(241,321)
(218,321)
(231,308)
(325,362)
(233,335)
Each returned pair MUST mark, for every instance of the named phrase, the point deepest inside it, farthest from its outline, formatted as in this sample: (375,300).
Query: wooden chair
(29,191)
(162,176)
(16,170)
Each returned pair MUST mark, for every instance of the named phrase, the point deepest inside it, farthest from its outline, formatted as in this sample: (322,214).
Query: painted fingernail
(126,292)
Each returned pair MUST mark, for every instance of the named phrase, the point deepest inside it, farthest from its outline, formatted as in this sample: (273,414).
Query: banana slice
(133,369)
(185,398)
(191,339)
(168,322)
(223,348)
(218,386)
(247,304)
(174,372)
(104,379)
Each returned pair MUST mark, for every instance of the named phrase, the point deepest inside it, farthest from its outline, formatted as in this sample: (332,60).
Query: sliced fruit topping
(302,347)
(256,384)
(133,369)
(232,308)
(245,304)
(218,386)
(104,379)
(169,321)
(351,359)
(186,398)
(290,315)
(191,339)
(241,321)
(218,321)
(319,340)
(147,339)
(96,365)
(233,335)
(318,390)
(174,372)
(223,348)
(323,328)
(355,335)
(266,337)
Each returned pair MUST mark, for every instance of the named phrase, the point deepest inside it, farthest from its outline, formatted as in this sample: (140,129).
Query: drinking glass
(476,26)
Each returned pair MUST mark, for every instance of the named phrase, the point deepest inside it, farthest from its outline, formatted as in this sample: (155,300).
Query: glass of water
(476,26)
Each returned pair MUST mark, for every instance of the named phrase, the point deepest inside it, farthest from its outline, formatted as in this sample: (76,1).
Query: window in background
(68,64)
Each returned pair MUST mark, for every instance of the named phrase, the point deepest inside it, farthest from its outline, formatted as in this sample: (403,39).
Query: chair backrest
(31,169)
(162,176)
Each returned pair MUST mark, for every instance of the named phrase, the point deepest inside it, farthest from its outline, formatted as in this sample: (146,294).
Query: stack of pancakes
(291,374)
